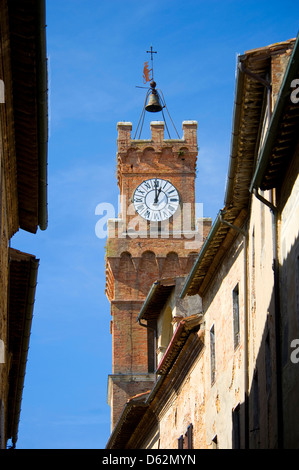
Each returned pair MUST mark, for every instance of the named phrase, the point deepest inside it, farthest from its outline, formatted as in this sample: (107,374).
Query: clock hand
(158,194)
(155,200)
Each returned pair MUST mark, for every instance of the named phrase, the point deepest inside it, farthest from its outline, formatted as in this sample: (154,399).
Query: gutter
(231,171)
(162,282)
(201,255)
(25,347)
(42,112)
(149,297)
(235,133)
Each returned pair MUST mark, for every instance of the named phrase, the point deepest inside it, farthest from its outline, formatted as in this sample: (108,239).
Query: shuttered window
(181,442)
(212,355)
(236,320)
(236,428)
(186,441)
(189,437)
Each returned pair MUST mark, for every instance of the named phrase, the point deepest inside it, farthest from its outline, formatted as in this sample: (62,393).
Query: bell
(153,105)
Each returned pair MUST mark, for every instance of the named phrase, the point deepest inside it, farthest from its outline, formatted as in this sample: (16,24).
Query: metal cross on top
(151,52)
(146,70)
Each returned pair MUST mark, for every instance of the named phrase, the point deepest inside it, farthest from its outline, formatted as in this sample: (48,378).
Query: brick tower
(156,179)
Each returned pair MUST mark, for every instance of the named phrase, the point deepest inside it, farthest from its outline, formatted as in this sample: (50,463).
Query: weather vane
(146,70)
(155,98)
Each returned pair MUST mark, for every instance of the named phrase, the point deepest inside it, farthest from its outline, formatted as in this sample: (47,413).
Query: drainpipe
(275,268)
(246,356)
(145,325)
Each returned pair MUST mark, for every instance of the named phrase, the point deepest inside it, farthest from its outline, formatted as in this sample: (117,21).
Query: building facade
(23,190)
(227,376)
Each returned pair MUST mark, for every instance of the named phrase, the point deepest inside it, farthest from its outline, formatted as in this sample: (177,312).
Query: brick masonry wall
(279,63)
(133,264)
(123,387)
(129,339)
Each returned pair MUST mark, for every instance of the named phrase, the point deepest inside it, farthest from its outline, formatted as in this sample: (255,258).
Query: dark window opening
(186,441)
(215,443)
(236,428)
(256,403)
(212,354)
(236,319)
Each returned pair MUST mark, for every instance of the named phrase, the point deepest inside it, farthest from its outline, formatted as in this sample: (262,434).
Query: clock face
(156,199)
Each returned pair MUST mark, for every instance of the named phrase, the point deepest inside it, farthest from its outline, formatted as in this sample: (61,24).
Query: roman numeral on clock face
(140,191)
(138,199)
(140,208)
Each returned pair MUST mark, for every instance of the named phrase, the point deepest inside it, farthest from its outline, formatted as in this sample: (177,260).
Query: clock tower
(155,236)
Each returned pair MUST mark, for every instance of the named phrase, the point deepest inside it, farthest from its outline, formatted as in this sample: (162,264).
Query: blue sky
(96,51)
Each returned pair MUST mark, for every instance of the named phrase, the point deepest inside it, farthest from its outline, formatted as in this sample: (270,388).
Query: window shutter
(190,436)
(181,442)
(236,316)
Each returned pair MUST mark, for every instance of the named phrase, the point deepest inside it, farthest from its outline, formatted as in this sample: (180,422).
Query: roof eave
(159,284)
(235,132)
(28,61)
(283,96)
(134,409)
(232,201)
(43,118)
(33,263)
